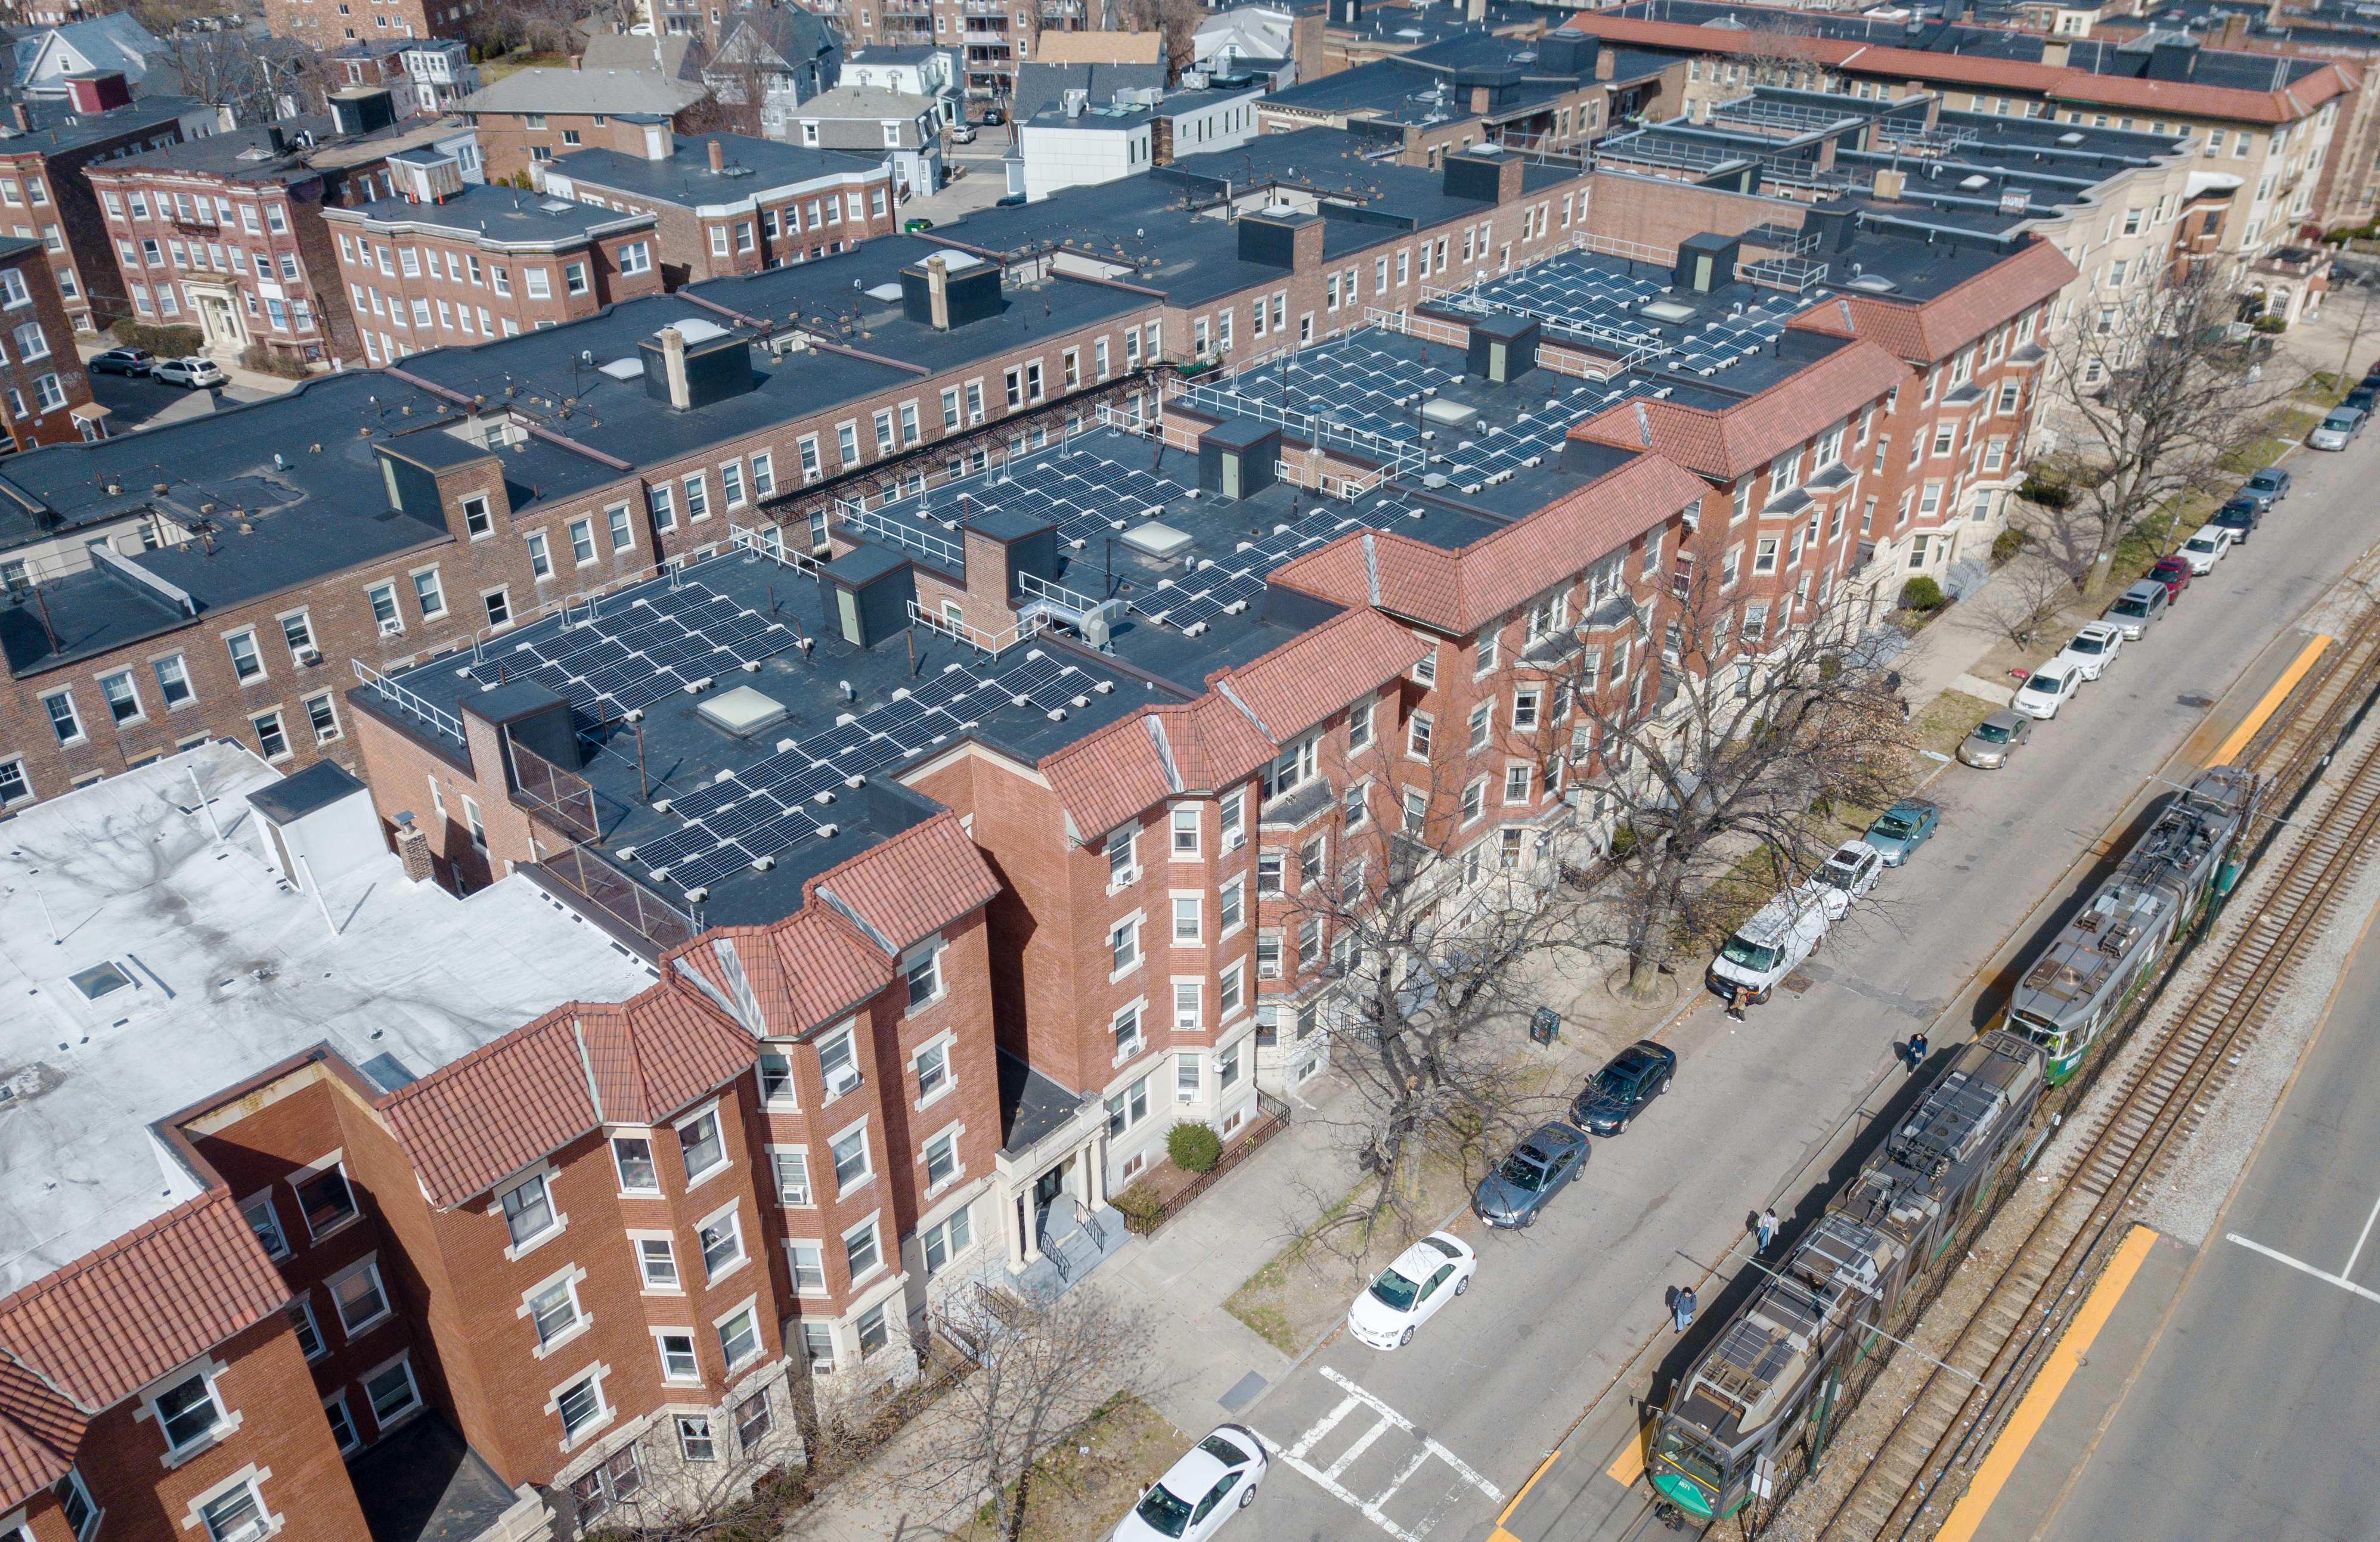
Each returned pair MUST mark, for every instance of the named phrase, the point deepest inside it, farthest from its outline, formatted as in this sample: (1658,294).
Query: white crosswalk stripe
(1386,1419)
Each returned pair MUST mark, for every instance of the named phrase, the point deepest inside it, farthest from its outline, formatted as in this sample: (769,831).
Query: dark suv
(2239,517)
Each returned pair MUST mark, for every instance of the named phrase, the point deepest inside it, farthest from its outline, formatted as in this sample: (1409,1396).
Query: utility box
(873,588)
(1238,458)
(1502,348)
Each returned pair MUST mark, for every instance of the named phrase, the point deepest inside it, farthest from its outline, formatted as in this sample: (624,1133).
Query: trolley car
(1772,1370)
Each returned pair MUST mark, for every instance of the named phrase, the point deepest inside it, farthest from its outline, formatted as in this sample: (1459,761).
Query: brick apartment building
(43,194)
(227,233)
(731,204)
(451,263)
(328,24)
(43,383)
(531,115)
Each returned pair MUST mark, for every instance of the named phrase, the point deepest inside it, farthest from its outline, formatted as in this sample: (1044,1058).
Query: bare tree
(2154,394)
(2026,596)
(1751,715)
(1041,1364)
(260,79)
(714,1483)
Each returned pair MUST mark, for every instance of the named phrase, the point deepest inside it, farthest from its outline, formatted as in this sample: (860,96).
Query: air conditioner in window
(307,657)
(391,628)
(843,1083)
(1234,839)
(1126,879)
(974,418)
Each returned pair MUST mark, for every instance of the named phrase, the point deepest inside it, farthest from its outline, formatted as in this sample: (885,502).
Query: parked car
(1013,201)
(2172,570)
(1849,872)
(2241,516)
(993,117)
(2048,688)
(2138,608)
(1620,1091)
(2267,487)
(1903,828)
(2361,399)
(187,373)
(1768,947)
(1410,1290)
(122,361)
(2093,648)
(1213,1481)
(2338,430)
(1523,1184)
(2210,545)
(1995,738)
(963,133)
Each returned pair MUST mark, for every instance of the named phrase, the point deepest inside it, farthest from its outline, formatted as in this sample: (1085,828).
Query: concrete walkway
(1941,658)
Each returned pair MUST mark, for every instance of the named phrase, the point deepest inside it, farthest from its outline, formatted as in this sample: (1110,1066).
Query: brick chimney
(2235,32)
(1606,64)
(413,850)
(718,157)
(1887,185)
(1479,100)
(673,355)
(938,292)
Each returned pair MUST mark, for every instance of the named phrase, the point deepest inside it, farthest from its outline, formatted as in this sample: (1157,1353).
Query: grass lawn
(1946,721)
(1304,1290)
(1084,1486)
(496,70)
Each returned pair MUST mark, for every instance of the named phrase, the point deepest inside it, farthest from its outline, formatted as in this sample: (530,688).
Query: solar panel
(661,854)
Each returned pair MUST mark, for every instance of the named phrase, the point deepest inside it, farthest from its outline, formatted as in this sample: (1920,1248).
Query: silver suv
(2138,608)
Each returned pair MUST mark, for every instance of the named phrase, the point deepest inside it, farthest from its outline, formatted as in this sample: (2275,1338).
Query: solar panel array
(1346,383)
(1226,586)
(667,640)
(1605,307)
(1086,497)
(1535,436)
(748,815)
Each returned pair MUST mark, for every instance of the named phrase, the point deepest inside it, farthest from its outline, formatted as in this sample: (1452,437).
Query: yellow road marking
(1499,1533)
(2272,702)
(1630,1466)
(2047,1386)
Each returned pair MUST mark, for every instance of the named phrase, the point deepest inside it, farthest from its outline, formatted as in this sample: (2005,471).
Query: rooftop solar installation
(640,649)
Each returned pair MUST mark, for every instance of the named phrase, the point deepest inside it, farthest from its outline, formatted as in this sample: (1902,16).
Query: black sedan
(1619,1092)
(1525,1181)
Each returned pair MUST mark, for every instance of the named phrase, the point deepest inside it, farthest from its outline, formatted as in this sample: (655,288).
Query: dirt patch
(1948,720)
(1082,1489)
(1304,1291)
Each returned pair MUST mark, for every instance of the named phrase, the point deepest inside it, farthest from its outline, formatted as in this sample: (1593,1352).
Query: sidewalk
(1941,658)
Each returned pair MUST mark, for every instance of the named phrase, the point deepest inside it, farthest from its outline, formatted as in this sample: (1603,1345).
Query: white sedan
(2093,648)
(2208,546)
(1214,1480)
(1409,1292)
(2048,688)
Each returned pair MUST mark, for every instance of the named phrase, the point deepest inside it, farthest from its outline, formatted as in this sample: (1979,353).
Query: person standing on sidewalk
(1736,997)
(1916,1053)
(1767,1229)
(1682,1308)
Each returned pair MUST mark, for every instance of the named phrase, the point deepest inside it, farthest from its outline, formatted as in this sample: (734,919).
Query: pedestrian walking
(1736,997)
(1682,1308)
(1916,1053)
(1768,1228)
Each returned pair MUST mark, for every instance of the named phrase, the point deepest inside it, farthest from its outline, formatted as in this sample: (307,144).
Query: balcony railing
(620,897)
(1273,1117)
(562,796)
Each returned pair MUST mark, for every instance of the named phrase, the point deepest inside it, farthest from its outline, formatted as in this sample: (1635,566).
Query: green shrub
(271,361)
(2006,544)
(2271,323)
(165,342)
(1193,1146)
(2049,495)
(1920,593)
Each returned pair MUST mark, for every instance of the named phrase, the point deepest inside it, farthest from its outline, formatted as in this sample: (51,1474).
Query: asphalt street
(133,400)
(2256,1413)
(1432,1439)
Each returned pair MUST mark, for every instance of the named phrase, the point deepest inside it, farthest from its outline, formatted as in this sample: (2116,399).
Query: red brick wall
(90,256)
(357,264)
(32,422)
(780,230)
(321,24)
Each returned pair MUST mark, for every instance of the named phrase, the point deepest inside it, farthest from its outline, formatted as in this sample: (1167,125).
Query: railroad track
(1924,1459)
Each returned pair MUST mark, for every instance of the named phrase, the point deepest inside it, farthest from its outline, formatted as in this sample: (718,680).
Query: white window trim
(933,947)
(947,1040)
(661,1356)
(841,1191)
(1198,853)
(726,1160)
(637,1238)
(380,1282)
(421,1404)
(540,1168)
(743,1243)
(227,1420)
(759,1341)
(596,1372)
(569,1276)
(338,1158)
(794,1273)
(251,1477)
(871,1222)
(1172,922)
(1135,919)
(1138,1008)
(956,1131)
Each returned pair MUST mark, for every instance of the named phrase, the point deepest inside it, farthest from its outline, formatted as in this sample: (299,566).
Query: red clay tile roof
(499,1108)
(121,1316)
(1108,777)
(1314,674)
(915,883)
(1925,334)
(29,1463)
(829,967)
(1727,444)
(2056,82)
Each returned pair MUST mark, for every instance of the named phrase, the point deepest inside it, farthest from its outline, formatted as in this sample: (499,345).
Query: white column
(1095,1180)
(1021,1208)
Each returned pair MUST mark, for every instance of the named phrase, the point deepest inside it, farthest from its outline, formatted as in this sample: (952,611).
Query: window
(946,1240)
(634,259)
(697,499)
(809,1267)
(1185,831)
(1482,721)
(925,977)
(235,1516)
(851,1160)
(873,1334)
(1123,946)
(30,343)
(581,1406)
(540,564)
(836,1066)
(392,1393)
(1230,909)
(540,283)
(1516,784)
(860,1255)
(343,1425)
(933,1067)
(528,1212)
(941,1161)
(1185,1078)
(326,1200)
(553,1311)
(1417,735)
(1128,1108)
(582,541)
(764,475)
(1185,919)
(1126,1029)
(657,1260)
(123,701)
(427,592)
(188,1412)
(63,718)
(1359,727)
(700,1145)
(265,1221)
(722,1242)
(360,1300)
(678,1363)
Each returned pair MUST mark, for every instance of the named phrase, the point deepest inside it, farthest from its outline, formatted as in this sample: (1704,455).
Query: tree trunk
(1016,1527)
(2094,578)
(1643,974)
(1410,1154)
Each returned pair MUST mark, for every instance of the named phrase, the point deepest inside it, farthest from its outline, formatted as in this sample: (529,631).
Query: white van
(1769,946)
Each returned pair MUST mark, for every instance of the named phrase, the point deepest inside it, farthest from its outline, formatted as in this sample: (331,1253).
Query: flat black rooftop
(686,181)
(494,214)
(56,126)
(292,797)
(1418,87)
